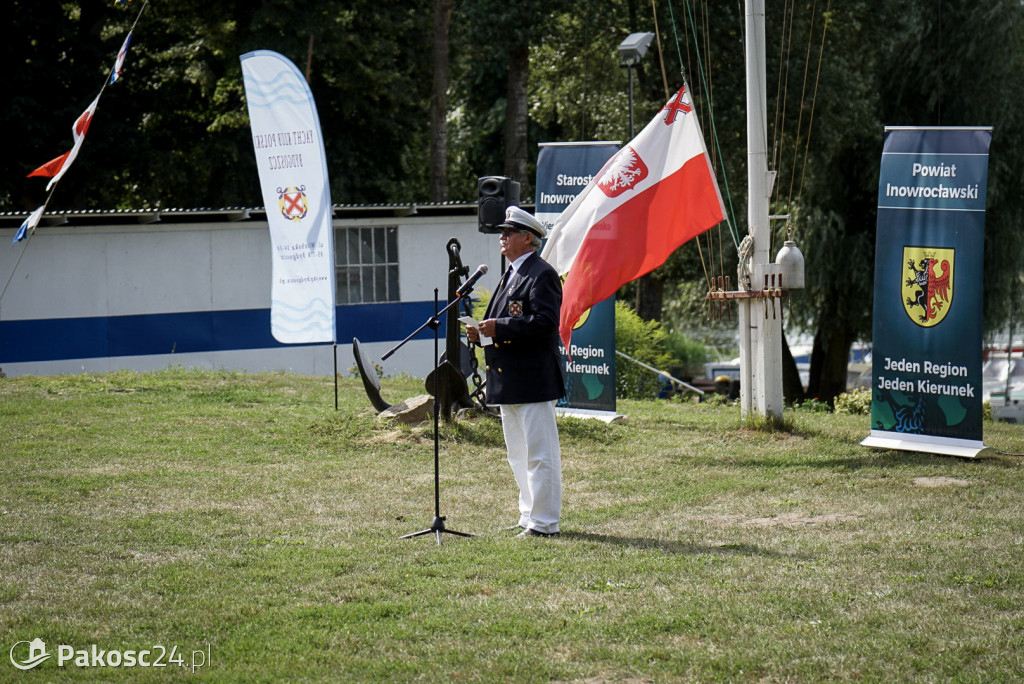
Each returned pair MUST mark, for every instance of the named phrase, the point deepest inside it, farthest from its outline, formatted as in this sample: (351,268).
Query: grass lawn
(242,518)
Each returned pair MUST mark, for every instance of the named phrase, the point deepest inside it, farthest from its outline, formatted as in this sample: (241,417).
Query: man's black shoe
(530,532)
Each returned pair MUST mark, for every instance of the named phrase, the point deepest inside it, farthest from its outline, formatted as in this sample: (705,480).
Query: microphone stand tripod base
(436,527)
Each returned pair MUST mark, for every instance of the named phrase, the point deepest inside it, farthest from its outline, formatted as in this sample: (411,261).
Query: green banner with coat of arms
(929,246)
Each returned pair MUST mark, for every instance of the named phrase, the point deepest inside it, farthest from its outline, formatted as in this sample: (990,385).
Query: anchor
(457,363)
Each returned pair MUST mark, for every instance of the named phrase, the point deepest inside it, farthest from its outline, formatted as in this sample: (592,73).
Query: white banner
(293,177)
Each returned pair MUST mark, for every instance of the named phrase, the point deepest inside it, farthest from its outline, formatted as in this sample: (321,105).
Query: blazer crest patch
(515,308)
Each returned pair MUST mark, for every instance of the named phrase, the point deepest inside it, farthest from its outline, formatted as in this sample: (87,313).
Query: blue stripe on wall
(54,339)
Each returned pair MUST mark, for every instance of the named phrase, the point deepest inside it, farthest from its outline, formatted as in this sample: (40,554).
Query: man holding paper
(524,370)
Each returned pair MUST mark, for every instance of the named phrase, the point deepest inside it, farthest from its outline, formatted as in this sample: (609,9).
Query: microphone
(467,286)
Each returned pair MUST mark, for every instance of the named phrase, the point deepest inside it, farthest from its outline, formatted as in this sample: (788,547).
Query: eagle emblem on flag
(927,291)
(625,170)
(293,202)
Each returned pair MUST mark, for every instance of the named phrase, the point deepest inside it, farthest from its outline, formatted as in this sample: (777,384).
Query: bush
(856,402)
(812,405)
(645,342)
(685,350)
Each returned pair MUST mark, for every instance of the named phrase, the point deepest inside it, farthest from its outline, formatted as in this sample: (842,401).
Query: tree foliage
(945,63)
(174,130)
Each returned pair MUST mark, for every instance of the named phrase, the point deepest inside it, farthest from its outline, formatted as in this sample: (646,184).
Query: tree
(54,51)
(910,76)
(174,130)
(974,84)
(516,117)
(494,66)
(439,102)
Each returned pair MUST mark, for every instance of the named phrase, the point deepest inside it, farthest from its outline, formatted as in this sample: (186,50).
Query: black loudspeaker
(494,195)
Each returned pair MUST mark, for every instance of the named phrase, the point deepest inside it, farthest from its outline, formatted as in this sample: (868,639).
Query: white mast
(760,323)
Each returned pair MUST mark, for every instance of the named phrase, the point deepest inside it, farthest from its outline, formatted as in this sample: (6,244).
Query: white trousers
(531,437)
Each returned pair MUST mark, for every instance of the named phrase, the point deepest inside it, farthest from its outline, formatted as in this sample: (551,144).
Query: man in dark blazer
(524,370)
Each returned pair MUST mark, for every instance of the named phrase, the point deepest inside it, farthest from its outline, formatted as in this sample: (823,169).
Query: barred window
(367,268)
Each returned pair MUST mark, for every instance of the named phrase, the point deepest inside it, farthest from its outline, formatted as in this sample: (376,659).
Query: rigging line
(13,270)
(139,15)
(708,279)
(107,81)
(732,221)
(705,90)
(721,253)
(705,107)
(689,56)
(800,118)
(586,53)
(778,90)
(814,100)
(706,32)
(28,239)
(706,23)
(720,160)
(700,250)
(53,189)
(787,55)
(707,40)
(702,107)
(675,33)
(661,54)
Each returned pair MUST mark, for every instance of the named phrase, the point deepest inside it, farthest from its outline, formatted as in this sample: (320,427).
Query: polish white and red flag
(56,168)
(653,195)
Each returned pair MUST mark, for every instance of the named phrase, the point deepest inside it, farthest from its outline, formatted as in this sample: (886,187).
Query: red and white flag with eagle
(656,193)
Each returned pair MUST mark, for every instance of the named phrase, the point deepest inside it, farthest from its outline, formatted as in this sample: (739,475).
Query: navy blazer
(524,364)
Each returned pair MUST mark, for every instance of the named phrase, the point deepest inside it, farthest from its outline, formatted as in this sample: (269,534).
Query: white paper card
(473,323)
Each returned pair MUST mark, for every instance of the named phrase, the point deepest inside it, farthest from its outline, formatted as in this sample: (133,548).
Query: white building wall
(96,271)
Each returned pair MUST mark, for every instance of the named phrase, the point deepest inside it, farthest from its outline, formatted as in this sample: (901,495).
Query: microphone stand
(437,527)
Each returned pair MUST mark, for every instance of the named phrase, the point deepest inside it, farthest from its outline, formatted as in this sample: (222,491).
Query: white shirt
(519,262)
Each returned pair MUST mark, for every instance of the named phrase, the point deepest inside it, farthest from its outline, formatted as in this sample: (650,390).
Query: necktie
(500,295)
(505,278)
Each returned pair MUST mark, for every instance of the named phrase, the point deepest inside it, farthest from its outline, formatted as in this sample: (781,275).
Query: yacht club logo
(293,202)
(927,290)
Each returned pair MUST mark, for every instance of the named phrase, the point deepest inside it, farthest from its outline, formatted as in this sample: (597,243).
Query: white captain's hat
(518,219)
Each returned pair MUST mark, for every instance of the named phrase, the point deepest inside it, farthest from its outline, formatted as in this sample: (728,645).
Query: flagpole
(761,324)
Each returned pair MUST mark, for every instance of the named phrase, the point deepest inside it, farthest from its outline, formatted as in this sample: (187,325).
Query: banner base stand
(607,416)
(963,448)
